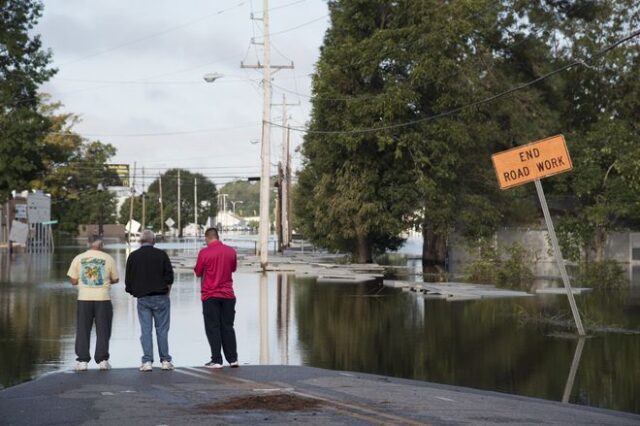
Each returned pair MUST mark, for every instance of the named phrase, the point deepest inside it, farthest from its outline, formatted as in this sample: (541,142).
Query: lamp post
(212,76)
(101,211)
(233,203)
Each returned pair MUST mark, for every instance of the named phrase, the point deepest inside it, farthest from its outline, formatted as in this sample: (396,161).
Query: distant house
(230,221)
(192,230)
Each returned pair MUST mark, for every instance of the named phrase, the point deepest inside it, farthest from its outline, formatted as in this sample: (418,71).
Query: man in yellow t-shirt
(93,272)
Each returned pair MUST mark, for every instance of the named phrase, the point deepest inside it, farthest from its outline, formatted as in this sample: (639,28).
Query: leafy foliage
(601,275)
(414,61)
(24,65)
(246,192)
(512,269)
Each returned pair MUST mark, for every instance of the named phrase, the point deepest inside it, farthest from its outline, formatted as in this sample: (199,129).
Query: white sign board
(38,207)
(169,222)
(135,226)
(21,211)
(19,232)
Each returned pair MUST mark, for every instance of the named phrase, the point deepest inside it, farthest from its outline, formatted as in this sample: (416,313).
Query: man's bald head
(95,242)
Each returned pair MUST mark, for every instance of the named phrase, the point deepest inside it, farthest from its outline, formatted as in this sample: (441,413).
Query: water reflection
(502,345)
(574,369)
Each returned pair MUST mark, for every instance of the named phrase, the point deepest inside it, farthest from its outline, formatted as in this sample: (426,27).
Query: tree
(207,199)
(24,66)
(356,189)
(603,129)
(246,192)
(75,198)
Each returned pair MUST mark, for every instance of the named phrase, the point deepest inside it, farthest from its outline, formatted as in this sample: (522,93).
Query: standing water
(515,346)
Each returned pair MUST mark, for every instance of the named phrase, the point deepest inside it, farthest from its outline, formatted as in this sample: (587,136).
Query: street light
(234,205)
(212,76)
(100,216)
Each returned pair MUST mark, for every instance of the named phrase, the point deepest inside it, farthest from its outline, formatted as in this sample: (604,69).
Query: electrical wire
(173,133)
(153,35)
(469,105)
(271,9)
(297,26)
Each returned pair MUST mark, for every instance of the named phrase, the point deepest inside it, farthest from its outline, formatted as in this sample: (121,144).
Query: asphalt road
(274,395)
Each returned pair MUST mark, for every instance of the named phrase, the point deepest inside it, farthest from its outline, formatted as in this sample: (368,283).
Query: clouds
(136,68)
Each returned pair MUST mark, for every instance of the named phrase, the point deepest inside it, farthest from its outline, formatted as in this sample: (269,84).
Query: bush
(601,275)
(513,272)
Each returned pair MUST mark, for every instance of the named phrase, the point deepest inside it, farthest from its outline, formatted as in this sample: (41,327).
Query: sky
(133,71)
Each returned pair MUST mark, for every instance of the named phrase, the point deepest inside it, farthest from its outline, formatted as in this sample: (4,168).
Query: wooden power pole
(266,135)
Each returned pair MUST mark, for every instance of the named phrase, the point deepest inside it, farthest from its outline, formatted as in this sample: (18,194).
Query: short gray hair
(147,237)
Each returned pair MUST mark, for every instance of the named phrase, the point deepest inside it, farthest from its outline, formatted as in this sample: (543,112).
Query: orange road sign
(536,160)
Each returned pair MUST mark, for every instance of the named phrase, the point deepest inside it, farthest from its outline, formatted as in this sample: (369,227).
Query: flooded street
(508,345)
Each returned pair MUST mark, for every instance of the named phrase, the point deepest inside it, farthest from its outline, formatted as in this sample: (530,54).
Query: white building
(227,220)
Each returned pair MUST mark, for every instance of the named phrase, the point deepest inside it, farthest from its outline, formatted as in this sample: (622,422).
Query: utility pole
(266,135)
(285,215)
(288,176)
(179,205)
(144,203)
(161,206)
(131,200)
(223,206)
(195,205)
(279,210)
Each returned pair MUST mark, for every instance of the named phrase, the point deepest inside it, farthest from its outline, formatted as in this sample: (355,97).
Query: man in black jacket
(149,277)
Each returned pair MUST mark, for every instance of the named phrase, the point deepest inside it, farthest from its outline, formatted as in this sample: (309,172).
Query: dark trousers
(89,311)
(219,315)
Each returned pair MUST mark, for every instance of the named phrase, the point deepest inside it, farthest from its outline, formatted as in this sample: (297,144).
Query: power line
(174,133)
(271,9)
(153,35)
(472,104)
(298,26)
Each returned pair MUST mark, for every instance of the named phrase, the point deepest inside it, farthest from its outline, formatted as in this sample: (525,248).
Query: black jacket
(149,272)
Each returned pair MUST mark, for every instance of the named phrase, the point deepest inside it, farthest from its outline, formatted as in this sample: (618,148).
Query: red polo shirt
(215,264)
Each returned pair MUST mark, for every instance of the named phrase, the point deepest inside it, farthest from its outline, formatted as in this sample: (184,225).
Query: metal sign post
(530,163)
(558,255)
(568,387)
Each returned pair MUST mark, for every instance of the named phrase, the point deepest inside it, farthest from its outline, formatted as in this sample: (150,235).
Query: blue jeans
(156,309)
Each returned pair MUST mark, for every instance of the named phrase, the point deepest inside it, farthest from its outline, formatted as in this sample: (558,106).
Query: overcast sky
(133,71)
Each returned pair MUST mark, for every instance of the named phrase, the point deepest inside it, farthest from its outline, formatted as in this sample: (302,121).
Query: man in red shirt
(215,265)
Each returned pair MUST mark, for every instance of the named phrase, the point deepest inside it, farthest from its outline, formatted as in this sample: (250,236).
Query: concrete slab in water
(454,291)
(562,290)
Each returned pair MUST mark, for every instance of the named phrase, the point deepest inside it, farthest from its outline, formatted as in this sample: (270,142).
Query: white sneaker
(146,366)
(82,366)
(104,365)
(234,364)
(213,365)
(167,365)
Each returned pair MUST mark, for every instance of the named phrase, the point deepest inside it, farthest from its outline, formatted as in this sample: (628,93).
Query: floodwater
(517,346)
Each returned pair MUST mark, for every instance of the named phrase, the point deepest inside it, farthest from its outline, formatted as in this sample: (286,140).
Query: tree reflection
(477,344)
(34,319)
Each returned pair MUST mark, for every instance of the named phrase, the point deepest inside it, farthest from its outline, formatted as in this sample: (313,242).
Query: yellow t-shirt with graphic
(95,271)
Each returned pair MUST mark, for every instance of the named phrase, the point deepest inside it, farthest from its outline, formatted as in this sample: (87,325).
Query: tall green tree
(24,66)
(602,126)
(356,189)
(248,195)
(74,187)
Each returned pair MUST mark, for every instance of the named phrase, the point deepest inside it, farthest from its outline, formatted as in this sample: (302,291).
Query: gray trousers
(89,311)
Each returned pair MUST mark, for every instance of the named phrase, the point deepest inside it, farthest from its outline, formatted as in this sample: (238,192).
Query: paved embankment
(273,395)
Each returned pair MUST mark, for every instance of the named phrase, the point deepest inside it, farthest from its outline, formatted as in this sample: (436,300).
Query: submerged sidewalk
(274,395)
